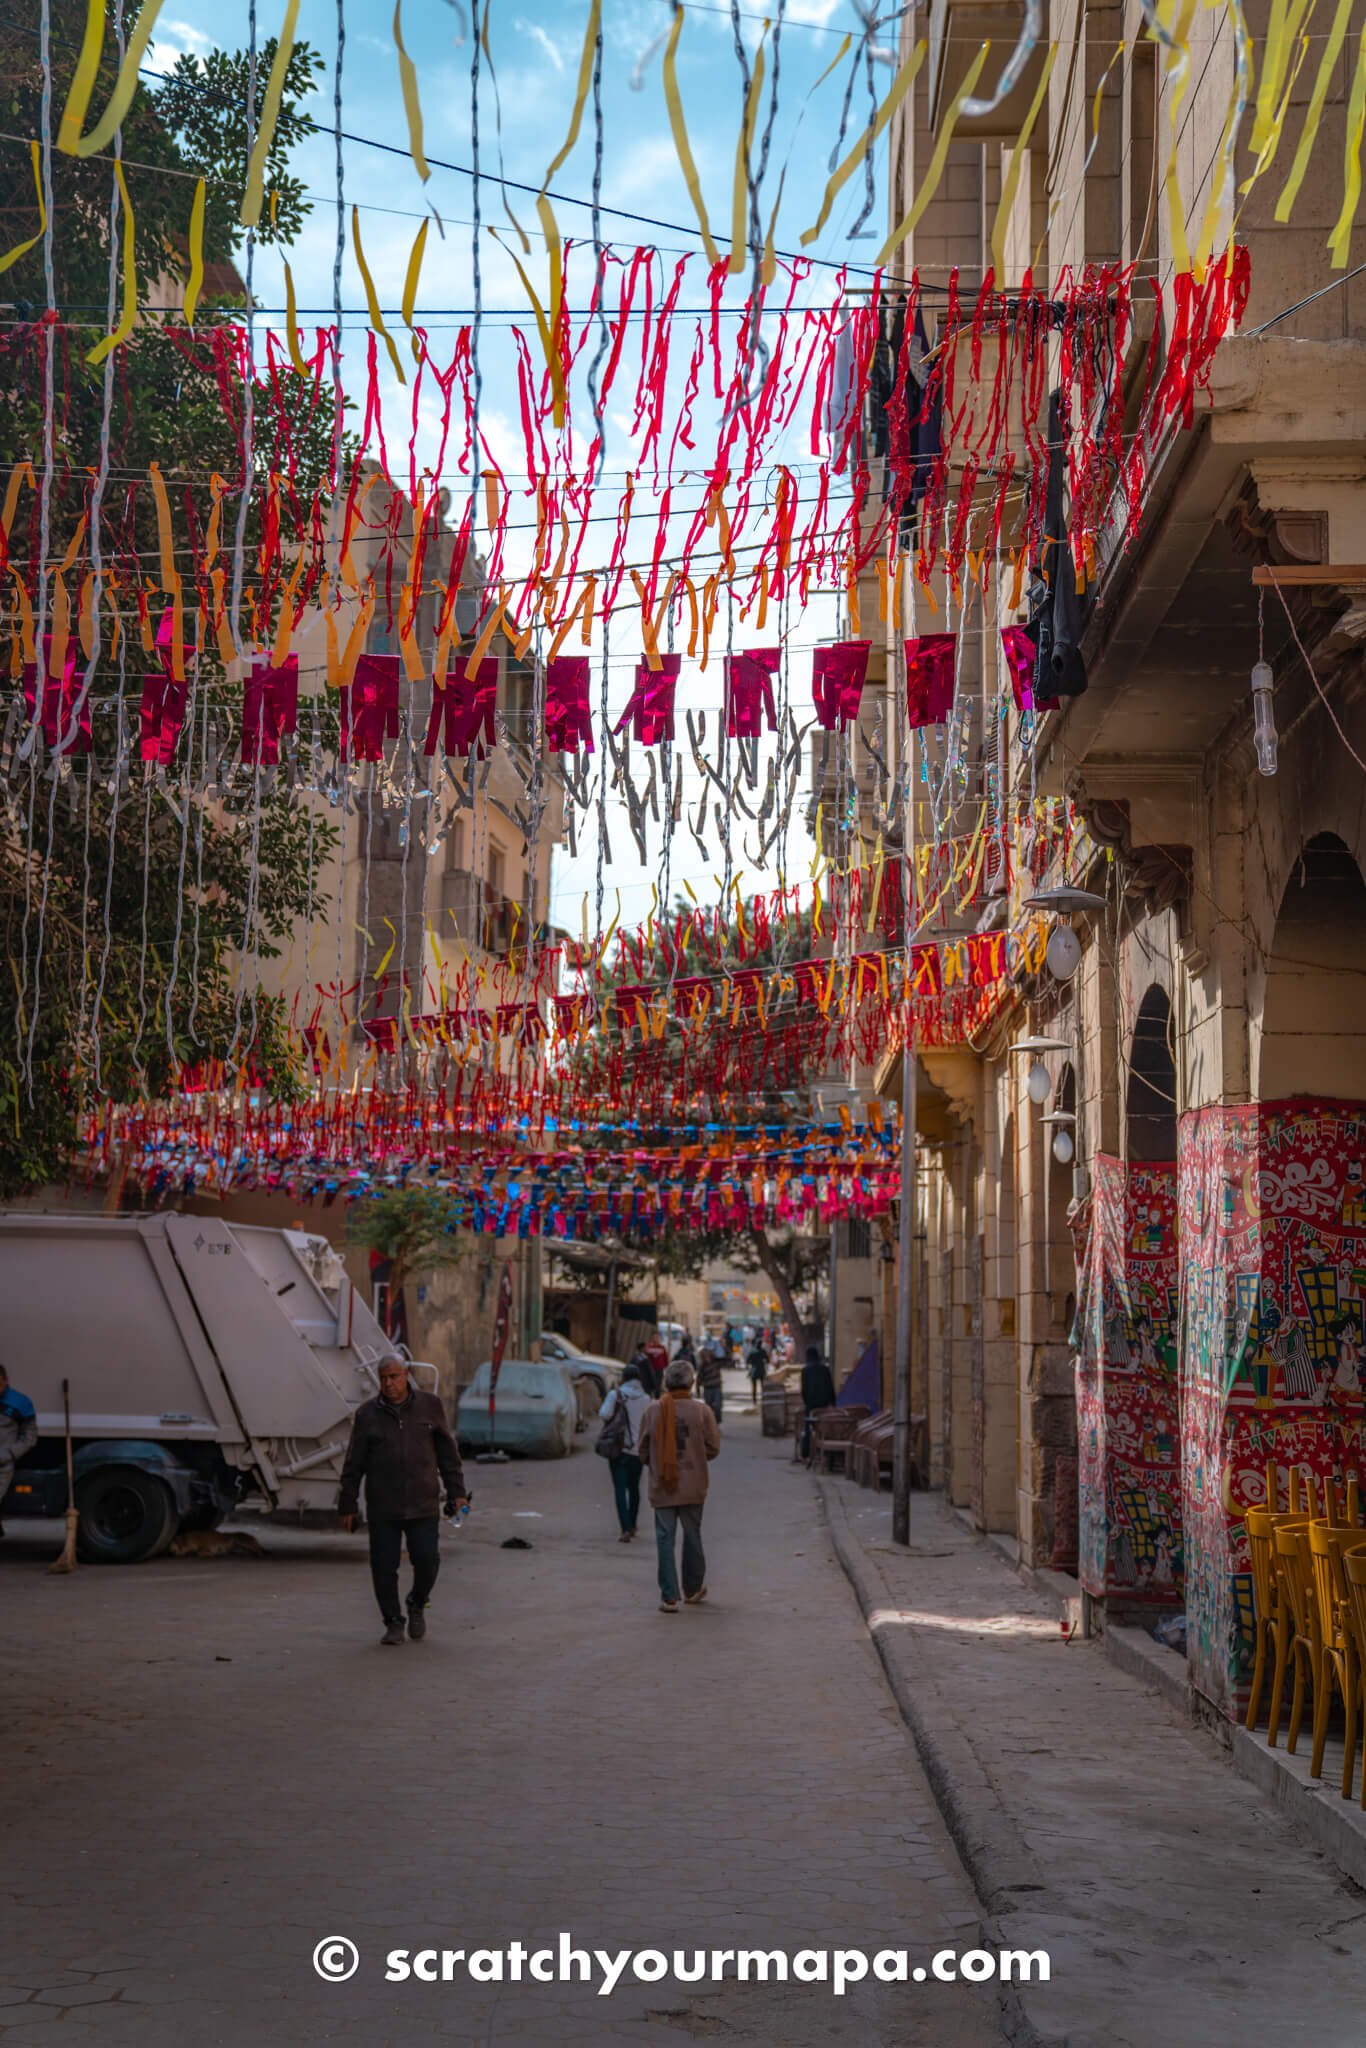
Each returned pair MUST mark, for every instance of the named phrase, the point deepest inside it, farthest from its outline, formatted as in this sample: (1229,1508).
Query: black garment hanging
(1057,615)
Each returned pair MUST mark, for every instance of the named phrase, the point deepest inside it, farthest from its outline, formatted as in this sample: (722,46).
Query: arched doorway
(1150,1101)
(1274,1199)
(1313,1027)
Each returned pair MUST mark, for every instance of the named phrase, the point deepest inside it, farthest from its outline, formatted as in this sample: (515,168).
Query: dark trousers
(386,1549)
(667,1523)
(712,1397)
(626,1486)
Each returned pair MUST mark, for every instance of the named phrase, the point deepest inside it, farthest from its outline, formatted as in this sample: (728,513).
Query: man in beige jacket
(678,1439)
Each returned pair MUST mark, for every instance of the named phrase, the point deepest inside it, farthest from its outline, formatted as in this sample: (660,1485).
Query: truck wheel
(127,1516)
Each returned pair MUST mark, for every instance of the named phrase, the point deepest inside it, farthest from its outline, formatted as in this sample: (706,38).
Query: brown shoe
(668,1607)
(696,1599)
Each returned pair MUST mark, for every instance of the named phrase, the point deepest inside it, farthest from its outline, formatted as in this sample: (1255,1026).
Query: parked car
(602,1373)
(536,1411)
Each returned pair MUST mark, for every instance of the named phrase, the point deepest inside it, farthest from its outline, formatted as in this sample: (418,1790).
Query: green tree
(411,1228)
(136,909)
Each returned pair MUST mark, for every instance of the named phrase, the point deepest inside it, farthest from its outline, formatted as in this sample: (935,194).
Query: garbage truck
(211,1367)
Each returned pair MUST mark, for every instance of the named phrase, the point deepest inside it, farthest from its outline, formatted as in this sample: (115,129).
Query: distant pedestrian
(709,1375)
(645,1370)
(818,1391)
(657,1356)
(18,1432)
(630,1400)
(757,1363)
(403,1448)
(678,1439)
(686,1352)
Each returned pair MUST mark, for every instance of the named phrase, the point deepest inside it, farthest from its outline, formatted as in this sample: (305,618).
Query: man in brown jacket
(678,1439)
(402,1447)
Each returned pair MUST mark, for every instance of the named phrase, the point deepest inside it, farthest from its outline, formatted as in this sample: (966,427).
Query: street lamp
(1038,1082)
(1063,955)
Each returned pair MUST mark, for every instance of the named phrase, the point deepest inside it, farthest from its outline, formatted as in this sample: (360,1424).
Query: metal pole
(831,1289)
(906,1304)
(610,1311)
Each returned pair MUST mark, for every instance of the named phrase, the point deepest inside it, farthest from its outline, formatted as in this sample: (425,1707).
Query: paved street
(210,1765)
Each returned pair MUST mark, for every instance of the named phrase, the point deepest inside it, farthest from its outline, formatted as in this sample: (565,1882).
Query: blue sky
(536,49)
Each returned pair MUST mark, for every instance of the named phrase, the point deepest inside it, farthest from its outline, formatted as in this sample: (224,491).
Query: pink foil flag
(837,678)
(162,715)
(568,725)
(462,713)
(369,708)
(651,709)
(1021,655)
(929,678)
(60,697)
(270,708)
(749,692)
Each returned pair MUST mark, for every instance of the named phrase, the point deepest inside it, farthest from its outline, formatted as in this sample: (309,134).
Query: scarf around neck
(668,1435)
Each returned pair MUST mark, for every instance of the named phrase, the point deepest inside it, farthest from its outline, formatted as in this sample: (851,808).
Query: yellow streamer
(130,280)
(69,138)
(1332,50)
(371,300)
(550,226)
(194,283)
(673,100)
(296,354)
(1012,178)
(412,105)
(270,114)
(1283,25)
(1179,64)
(935,169)
(22,248)
(414,273)
(1340,241)
(901,85)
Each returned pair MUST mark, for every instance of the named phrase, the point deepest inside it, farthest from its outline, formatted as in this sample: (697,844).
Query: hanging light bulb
(1264,717)
(1063,953)
(1263,711)
(1063,1148)
(1038,1082)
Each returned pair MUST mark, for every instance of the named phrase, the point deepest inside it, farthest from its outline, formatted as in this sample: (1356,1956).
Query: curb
(991,1849)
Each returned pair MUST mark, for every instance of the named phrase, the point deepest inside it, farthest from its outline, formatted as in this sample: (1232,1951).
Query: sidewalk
(1178,1906)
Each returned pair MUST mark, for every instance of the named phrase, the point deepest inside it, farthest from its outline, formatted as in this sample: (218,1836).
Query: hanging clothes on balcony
(1057,614)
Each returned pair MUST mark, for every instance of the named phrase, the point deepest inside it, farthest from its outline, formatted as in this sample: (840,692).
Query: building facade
(1142,1280)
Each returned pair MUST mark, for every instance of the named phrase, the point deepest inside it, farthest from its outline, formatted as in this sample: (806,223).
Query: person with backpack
(621,1415)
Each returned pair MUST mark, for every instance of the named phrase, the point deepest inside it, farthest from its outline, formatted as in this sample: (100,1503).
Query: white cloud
(177,39)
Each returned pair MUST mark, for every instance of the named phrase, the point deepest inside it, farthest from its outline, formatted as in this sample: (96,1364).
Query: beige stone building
(441,879)
(1121,1350)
